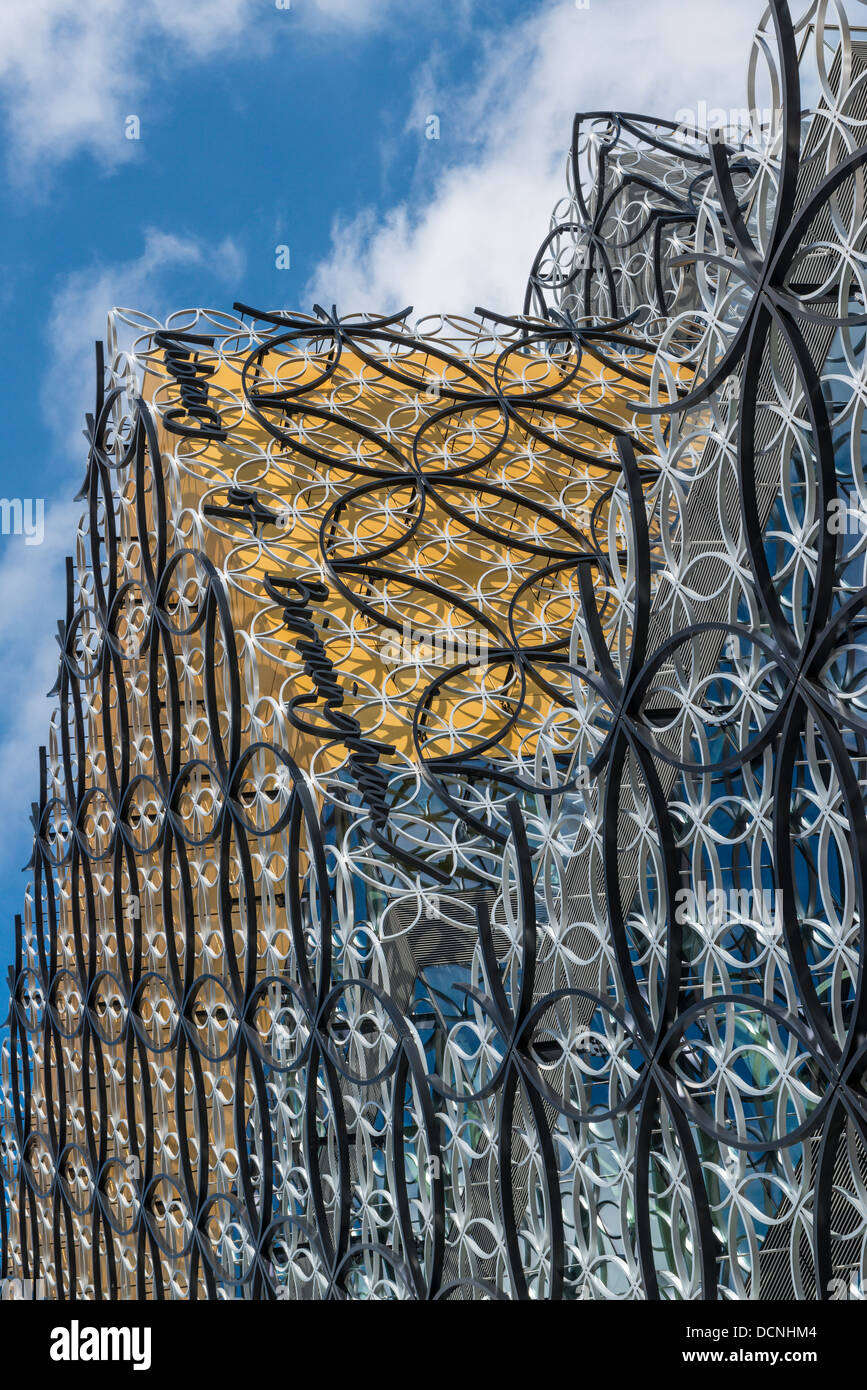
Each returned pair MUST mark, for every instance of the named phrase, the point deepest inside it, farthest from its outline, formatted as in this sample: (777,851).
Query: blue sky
(263,126)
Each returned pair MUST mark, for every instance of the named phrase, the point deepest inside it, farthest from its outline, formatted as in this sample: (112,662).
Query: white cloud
(354,12)
(71,73)
(359,14)
(504,140)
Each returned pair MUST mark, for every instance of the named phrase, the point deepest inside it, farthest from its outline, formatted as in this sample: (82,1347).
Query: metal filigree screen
(449,860)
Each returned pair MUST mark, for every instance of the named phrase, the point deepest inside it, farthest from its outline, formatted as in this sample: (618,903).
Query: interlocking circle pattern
(450,848)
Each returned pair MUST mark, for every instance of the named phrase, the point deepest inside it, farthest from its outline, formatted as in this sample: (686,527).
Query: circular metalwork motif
(450,847)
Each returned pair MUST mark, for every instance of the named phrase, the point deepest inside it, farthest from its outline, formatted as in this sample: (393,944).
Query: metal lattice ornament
(450,848)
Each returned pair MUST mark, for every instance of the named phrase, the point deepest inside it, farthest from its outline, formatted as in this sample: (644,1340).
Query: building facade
(450,843)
